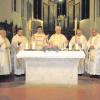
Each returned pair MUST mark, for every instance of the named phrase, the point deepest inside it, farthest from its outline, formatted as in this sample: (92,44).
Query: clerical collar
(20,35)
(58,33)
(95,35)
(79,35)
(40,32)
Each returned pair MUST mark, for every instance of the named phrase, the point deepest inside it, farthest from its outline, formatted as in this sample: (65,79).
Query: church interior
(49,49)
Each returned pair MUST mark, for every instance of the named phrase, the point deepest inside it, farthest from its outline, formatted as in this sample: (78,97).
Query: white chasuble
(18,43)
(39,40)
(80,43)
(94,55)
(5,59)
(58,40)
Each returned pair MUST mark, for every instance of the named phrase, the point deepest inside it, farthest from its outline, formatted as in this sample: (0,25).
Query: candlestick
(75,32)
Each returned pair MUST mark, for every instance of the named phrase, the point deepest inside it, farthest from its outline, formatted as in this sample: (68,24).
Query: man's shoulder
(73,37)
(53,34)
(24,37)
(15,36)
(62,34)
(98,35)
(83,36)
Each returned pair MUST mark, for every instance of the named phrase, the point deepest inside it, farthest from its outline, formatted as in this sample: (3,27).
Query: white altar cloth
(51,67)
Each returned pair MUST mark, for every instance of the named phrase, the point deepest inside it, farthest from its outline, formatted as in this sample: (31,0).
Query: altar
(51,67)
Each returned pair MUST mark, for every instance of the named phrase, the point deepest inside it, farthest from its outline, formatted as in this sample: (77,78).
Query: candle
(30,25)
(75,24)
(70,46)
(76,46)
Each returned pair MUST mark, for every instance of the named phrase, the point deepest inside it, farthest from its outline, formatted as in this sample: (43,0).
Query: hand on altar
(80,45)
(19,43)
(92,47)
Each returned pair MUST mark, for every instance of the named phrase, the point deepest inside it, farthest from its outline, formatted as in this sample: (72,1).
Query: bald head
(94,32)
(58,29)
(3,33)
(79,32)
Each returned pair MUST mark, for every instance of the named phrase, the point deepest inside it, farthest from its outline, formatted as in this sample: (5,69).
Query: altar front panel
(56,69)
(51,71)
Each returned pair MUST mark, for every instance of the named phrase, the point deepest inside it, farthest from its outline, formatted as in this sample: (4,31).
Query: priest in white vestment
(19,42)
(79,42)
(94,53)
(58,39)
(39,39)
(5,61)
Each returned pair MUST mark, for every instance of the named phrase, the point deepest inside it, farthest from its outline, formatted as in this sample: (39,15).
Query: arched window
(61,7)
(37,9)
(85,9)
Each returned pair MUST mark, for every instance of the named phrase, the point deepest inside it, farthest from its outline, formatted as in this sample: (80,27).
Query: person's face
(39,30)
(94,32)
(3,33)
(20,32)
(0,32)
(58,29)
(79,33)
